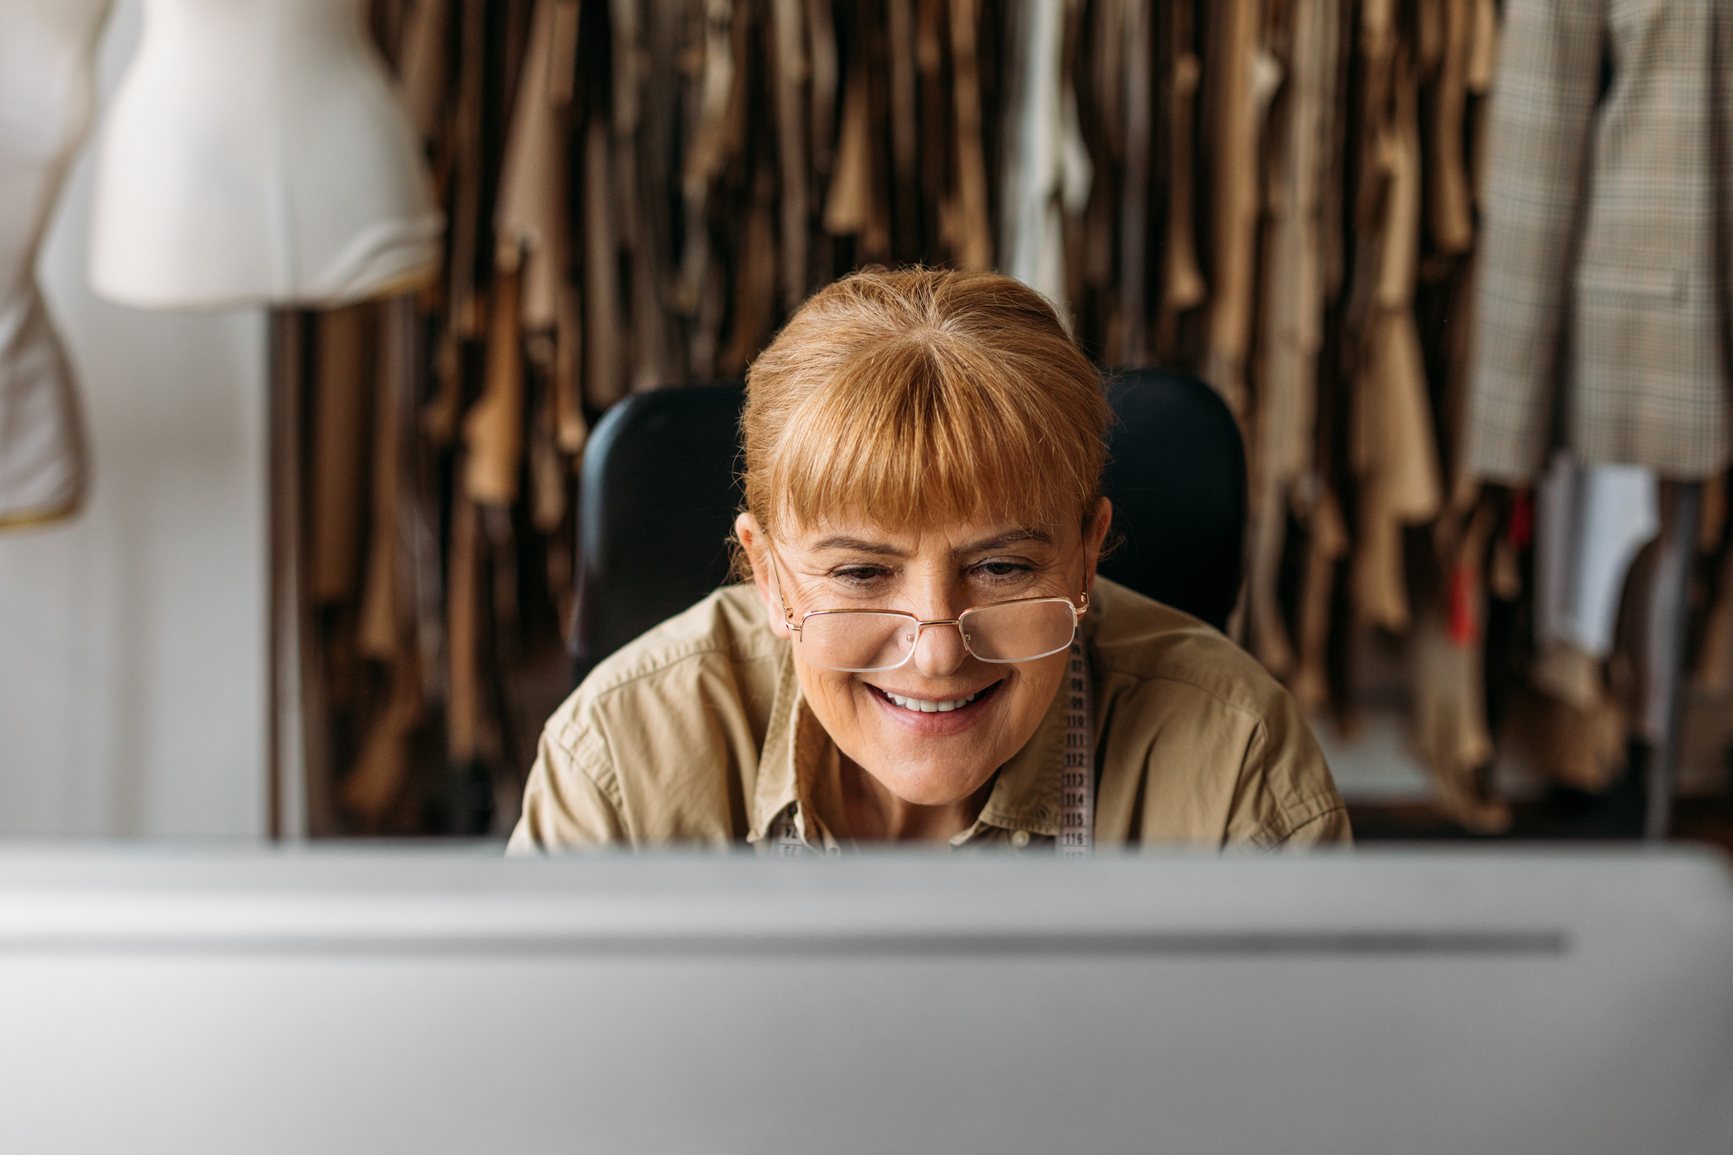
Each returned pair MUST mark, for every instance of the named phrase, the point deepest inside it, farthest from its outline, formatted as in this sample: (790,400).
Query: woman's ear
(1095,533)
(756,544)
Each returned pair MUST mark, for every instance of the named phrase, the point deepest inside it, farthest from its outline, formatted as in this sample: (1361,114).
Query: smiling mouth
(935,706)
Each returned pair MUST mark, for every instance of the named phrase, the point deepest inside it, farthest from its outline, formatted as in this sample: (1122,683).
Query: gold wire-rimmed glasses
(872,641)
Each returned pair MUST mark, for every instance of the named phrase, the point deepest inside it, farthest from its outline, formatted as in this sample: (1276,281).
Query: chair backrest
(1176,474)
(659,490)
(657,496)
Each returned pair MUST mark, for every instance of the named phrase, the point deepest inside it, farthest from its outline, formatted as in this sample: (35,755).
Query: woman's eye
(1003,571)
(859,575)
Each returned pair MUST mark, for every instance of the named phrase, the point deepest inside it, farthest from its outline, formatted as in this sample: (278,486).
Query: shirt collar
(776,789)
(1025,795)
(798,755)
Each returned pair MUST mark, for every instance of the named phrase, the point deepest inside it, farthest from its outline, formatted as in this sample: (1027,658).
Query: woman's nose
(939,650)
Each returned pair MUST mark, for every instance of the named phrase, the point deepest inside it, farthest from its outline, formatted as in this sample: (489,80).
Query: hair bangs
(934,440)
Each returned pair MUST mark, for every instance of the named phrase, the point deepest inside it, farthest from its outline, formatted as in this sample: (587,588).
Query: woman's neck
(874,814)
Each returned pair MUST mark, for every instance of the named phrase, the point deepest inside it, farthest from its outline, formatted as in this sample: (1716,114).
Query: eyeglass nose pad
(943,644)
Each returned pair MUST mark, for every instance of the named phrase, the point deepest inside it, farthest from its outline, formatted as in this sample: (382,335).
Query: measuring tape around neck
(1077,766)
(1076,772)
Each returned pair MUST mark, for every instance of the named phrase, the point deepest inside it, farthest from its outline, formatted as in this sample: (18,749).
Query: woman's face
(928,758)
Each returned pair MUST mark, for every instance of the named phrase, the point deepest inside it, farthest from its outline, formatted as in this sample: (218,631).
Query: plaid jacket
(1604,287)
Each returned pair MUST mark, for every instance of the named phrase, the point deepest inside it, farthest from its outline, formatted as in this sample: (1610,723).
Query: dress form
(47,61)
(255,153)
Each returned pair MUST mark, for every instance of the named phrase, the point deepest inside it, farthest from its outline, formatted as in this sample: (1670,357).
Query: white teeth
(921,705)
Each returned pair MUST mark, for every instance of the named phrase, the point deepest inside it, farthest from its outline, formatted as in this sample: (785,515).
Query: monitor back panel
(1374,1002)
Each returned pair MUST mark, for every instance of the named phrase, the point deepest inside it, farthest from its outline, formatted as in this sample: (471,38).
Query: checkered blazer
(1603,300)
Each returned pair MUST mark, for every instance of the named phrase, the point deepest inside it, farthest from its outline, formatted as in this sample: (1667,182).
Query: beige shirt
(697,732)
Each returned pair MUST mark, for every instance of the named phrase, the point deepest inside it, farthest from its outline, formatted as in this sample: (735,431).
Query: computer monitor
(389,1001)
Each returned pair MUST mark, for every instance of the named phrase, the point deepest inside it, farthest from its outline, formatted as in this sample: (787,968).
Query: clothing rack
(1282,197)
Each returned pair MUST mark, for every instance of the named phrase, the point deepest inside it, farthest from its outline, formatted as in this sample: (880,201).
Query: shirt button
(1019,838)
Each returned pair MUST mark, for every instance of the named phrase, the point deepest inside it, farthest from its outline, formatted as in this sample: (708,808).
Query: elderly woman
(924,652)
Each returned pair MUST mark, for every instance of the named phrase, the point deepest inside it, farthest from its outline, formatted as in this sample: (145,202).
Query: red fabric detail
(1464,618)
(1521,530)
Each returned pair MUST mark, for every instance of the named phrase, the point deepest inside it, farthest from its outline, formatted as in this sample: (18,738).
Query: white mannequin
(47,58)
(256,154)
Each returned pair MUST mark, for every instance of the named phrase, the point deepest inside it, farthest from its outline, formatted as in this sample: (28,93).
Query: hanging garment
(1300,358)
(791,68)
(1049,173)
(1658,606)
(1590,522)
(1393,443)
(1242,80)
(336,499)
(699,293)
(1448,658)
(1133,51)
(464,149)
(385,631)
(1183,286)
(1569,722)
(605,360)
(47,56)
(1291,340)
(221,181)
(493,428)
(1604,305)
(531,224)
(1450,199)
(1103,41)
(974,241)
(422,65)
(530,218)
(852,206)
(1712,669)
(643,155)
(898,90)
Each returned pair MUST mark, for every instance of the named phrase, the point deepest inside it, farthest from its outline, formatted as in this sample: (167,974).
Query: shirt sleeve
(1329,828)
(1285,798)
(565,807)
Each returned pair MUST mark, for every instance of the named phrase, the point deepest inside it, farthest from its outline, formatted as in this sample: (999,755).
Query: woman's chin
(931,786)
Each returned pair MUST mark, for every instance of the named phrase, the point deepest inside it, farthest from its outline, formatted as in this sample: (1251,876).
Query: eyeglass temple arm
(787,610)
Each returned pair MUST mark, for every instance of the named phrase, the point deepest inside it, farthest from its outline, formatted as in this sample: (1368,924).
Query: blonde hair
(919,397)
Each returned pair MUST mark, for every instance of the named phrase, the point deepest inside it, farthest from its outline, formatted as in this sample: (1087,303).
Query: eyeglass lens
(1009,632)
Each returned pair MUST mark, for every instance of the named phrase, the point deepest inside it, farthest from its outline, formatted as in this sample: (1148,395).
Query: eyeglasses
(870,641)
(867,641)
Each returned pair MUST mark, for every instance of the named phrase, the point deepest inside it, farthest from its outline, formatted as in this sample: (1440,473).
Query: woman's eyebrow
(884,549)
(859,545)
(1000,541)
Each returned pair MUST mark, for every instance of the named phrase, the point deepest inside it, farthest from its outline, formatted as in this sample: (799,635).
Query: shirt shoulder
(725,630)
(1204,744)
(728,623)
(1137,638)
(667,732)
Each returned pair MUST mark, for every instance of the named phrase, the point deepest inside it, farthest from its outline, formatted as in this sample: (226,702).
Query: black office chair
(659,490)
(1176,474)
(657,496)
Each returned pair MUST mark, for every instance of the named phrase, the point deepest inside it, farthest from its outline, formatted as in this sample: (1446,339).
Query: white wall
(132,639)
